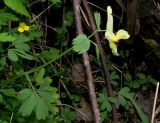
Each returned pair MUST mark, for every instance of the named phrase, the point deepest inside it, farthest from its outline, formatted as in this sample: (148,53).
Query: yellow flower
(23,27)
(110,36)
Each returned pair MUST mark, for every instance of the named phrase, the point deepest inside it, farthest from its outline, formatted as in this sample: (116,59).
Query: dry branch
(86,63)
(102,56)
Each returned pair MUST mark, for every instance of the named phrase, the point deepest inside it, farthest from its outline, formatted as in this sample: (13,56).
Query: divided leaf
(25,93)
(8,92)
(28,105)
(40,75)
(23,54)
(41,108)
(22,46)
(81,44)
(51,54)
(12,55)
(5,37)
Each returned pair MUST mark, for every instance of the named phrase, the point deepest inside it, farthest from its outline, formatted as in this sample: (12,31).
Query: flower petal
(22,25)
(121,34)
(26,28)
(109,26)
(109,35)
(20,29)
(113,46)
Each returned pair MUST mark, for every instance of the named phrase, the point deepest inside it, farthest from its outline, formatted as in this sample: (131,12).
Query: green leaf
(22,46)
(108,106)
(73,116)
(101,97)
(104,116)
(8,92)
(153,81)
(56,3)
(12,55)
(122,100)
(47,96)
(23,94)
(2,62)
(51,54)
(28,105)
(81,44)
(21,38)
(40,75)
(143,117)
(136,84)
(23,54)
(141,76)
(1,98)
(112,99)
(97,52)
(114,75)
(128,77)
(125,92)
(17,6)
(41,108)
(5,37)
(5,17)
(69,18)
(103,106)
(97,17)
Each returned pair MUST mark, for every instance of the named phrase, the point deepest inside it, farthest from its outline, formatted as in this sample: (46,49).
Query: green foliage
(97,19)
(5,37)
(56,3)
(105,105)
(17,6)
(69,18)
(142,81)
(31,80)
(125,93)
(81,44)
(39,99)
(67,115)
(49,55)
(6,17)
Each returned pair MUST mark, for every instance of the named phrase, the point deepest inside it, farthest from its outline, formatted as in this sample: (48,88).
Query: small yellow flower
(23,27)
(110,36)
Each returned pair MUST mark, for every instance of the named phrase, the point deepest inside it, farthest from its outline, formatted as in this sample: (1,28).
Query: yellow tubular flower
(110,36)
(113,46)
(23,27)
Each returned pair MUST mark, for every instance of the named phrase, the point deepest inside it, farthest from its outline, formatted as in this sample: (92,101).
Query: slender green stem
(44,65)
(96,32)
(30,82)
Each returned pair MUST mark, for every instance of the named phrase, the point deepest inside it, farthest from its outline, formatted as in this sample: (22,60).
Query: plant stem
(42,66)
